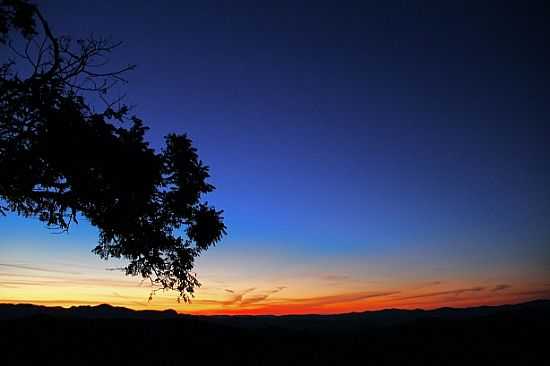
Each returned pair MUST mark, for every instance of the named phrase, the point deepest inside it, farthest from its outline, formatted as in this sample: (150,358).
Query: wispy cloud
(441,293)
(335,277)
(50,281)
(264,302)
(17,283)
(337,299)
(541,292)
(249,300)
(427,284)
(501,287)
(33,268)
(243,298)
(237,297)
(253,299)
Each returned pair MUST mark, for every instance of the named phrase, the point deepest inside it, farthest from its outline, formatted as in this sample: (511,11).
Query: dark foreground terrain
(510,334)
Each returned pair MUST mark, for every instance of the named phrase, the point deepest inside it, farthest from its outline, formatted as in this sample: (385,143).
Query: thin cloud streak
(238,297)
(335,278)
(261,297)
(441,293)
(264,299)
(72,282)
(337,299)
(501,287)
(33,268)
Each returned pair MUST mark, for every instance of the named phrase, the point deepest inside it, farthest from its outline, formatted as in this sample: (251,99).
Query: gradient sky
(366,156)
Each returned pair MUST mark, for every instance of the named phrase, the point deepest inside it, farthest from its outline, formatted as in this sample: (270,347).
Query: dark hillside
(487,335)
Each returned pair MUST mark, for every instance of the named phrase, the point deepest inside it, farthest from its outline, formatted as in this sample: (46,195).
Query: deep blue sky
(343,131)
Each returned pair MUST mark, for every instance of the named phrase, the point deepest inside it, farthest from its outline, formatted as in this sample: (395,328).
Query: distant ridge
(345,321)
(104,335)
(103,311)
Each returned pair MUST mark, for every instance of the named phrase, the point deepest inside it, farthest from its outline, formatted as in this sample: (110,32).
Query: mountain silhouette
(104,334)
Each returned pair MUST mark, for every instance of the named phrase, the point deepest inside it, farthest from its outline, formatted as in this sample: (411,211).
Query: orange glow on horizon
(320,305)
(317,293)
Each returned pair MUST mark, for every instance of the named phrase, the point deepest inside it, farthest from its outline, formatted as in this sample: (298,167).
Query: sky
(368,155)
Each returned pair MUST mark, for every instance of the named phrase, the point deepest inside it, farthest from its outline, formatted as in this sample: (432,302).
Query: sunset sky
(365,157)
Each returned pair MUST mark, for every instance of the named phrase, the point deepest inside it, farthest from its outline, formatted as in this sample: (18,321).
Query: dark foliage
(18,15)
(60,159)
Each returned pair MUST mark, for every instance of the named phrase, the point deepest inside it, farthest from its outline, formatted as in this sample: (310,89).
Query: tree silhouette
(61,159)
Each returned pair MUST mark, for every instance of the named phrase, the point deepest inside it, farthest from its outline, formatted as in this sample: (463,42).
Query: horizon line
(69,307)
